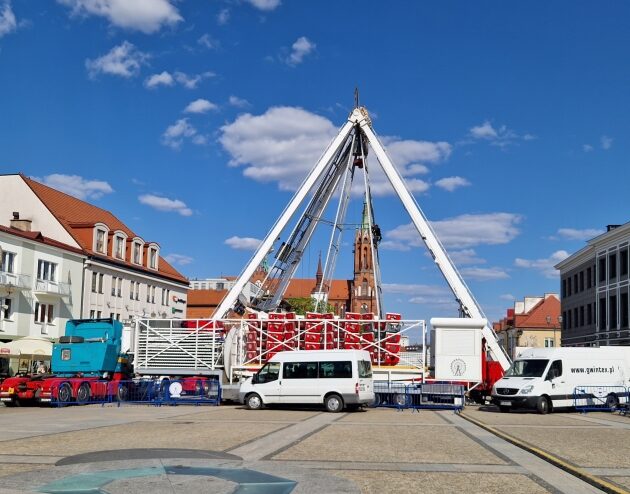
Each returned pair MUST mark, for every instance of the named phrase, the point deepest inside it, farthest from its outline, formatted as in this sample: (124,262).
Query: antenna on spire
(356,97)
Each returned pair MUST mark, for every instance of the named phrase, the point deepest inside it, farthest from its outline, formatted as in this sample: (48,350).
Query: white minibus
(545,378)
(334,378)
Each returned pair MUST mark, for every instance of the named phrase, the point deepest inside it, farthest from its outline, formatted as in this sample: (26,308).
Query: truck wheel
(543,406)
(333,403)
(612,401)
(504,409)
(254,402)
(83,393)
(122,393)
(400,400)
(64,393)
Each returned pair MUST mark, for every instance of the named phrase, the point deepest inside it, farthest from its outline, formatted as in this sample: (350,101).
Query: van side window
(299,370)
(555,370)
(269,372)
(365,369)
(335,370)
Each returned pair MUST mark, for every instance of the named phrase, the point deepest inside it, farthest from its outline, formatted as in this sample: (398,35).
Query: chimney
(18,224)
(611,227)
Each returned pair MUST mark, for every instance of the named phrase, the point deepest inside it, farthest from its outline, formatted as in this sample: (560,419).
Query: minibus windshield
(527,368)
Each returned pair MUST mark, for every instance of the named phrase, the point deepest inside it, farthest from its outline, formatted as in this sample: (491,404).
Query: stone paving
(215,449)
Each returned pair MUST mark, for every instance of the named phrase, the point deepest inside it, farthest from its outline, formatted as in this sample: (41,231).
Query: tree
(303,305)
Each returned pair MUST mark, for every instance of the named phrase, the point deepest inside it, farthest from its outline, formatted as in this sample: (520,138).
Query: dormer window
(153,255)
(136,251)
(100,240)
(120,241)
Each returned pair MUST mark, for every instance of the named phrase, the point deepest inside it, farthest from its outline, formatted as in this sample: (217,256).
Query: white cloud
(501,136)
(164,204)
(484,274)
(123,60)
(223,17)
(147,16)
(460,232)
(545,266)
(208,42)
(452,183)
(238,102)
(507,296)
(191,81)
(284,143)
(200,106)
(180,259)
(8,23)
(243,243)
(266,5)
(162,79)
(175,134)
(430,295)
(465,256)
(77,186)
(606,142)
(587,148)
(300,49)
(575,234)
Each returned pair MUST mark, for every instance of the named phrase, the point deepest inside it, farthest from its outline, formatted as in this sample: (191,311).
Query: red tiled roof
(537,316)
(302,288)
(76,215)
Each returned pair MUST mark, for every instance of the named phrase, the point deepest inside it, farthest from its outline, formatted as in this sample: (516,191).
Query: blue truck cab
(90,347)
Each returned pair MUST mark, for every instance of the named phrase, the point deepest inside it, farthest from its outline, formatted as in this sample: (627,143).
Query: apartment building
(123,275)
(594,291)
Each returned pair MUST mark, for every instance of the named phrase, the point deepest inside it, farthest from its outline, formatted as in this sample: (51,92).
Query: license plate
(505,403)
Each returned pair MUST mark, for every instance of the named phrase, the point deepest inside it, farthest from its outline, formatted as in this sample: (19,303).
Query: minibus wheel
(254,402)
(333,403)
(543,406)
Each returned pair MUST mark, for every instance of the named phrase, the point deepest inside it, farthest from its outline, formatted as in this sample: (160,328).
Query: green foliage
(303,305)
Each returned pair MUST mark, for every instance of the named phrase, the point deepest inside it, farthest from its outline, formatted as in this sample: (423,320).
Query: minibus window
(269,372)
(555,370)
(338,370)
(365,369)
(299,370)
(527,368)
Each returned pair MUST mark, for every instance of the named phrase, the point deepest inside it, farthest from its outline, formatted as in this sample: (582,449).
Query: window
(602,313)
(137,290)
(564,320)
(118,316)
(612,266)
(153,294)
(569,286)
(300,370)
(137,253)
(44,313)
(119,247)
(581,281)
(114,286)
(92,314)
(119,287)
(100,282)
(131,289)
(153,258)
(365,369)
(569,322)
(5,308)
(335,370)
(8,262)
(564,288)
(168,296)
(46,270)
(94,282)
(575,283)
(612,311)
(364,288)
(555,370)
(602,269)
(99,314)
(589,281)
(549,343)
(220,286)
(581,315)
(624,310)
(100,241)
(589,315)
(623,262)
(269,372)
(148,293)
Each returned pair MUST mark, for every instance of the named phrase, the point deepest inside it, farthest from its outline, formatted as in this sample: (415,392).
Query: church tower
(363,288)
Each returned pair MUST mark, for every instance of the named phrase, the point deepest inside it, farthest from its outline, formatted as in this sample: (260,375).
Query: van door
(267,382)
(366,385)
(299,383)
(559,391)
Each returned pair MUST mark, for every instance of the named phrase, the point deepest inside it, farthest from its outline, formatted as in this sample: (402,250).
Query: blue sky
(194,121)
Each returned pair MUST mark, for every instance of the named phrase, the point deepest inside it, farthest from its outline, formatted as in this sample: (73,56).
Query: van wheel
(543,406)
(612,401)
(333,403)
(254,402)
(504,409)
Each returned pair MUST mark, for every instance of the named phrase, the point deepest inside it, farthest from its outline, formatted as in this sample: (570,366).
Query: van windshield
(527,368)
(365,369)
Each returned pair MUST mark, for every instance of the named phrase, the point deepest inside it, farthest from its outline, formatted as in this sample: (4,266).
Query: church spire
(320,272)
(365,222)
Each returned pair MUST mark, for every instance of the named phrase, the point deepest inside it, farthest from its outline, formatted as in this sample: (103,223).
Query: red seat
(312,346)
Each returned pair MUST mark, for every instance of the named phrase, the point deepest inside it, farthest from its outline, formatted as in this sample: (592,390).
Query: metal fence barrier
(186,391)
(601,398)
(435,396)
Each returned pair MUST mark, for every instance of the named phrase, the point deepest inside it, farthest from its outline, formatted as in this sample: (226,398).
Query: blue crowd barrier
(601,398)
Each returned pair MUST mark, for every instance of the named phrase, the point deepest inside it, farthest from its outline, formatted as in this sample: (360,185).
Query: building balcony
(12,281)
(54,288)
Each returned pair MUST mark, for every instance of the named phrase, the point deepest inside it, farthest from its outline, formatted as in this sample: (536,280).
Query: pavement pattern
(228,449)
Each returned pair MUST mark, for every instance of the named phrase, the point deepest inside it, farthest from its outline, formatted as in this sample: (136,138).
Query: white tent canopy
(27,346)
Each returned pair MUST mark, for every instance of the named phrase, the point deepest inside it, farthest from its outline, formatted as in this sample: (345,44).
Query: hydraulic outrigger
(334,171)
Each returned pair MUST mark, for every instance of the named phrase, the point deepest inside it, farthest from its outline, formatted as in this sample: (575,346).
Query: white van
(333,378)
(545,378)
